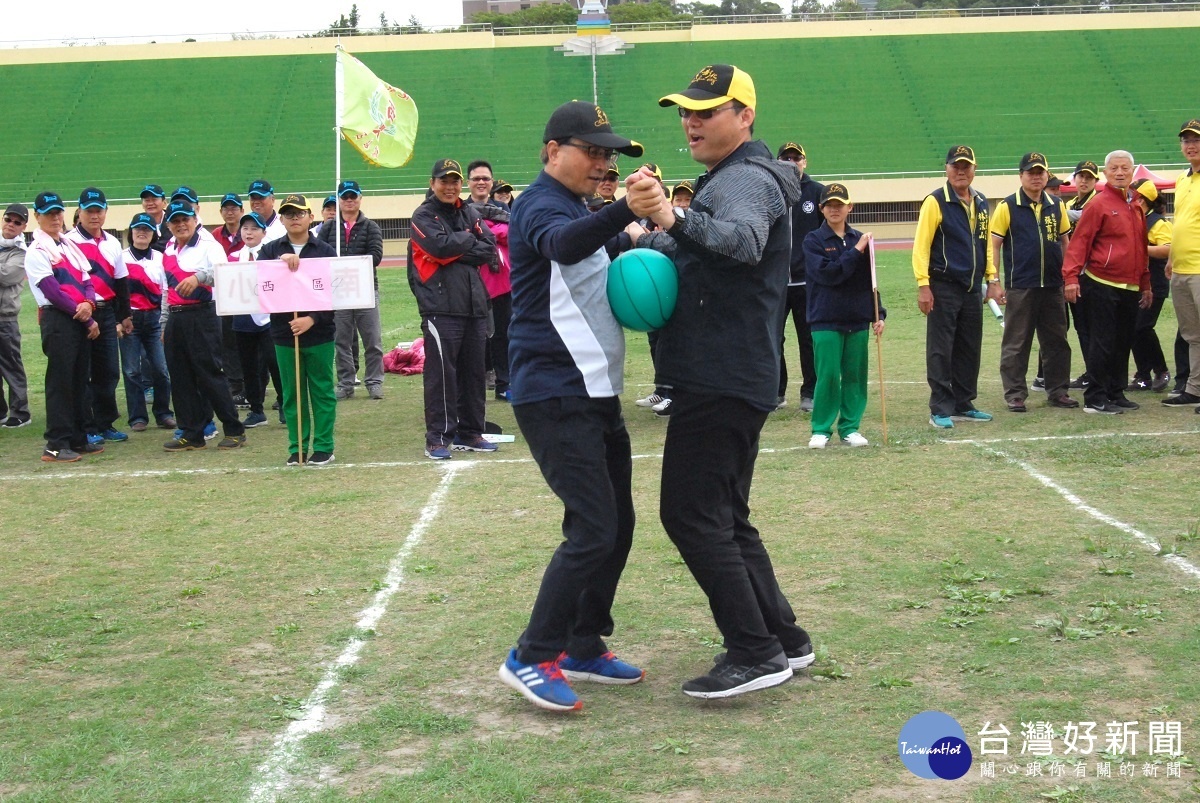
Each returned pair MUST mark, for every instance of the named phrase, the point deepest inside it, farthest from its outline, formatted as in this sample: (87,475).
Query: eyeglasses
(1189,140)
(481,178)
(13,220)
(704,114)
(791,158)
(592,151)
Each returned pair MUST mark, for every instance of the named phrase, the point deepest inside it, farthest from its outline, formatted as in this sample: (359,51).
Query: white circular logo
(808,207)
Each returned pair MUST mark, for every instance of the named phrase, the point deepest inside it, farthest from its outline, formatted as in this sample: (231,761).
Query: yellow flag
(378,119)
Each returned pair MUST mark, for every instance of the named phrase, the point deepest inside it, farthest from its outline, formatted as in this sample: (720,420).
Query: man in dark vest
(1030,229)
(806,217)
(951,261)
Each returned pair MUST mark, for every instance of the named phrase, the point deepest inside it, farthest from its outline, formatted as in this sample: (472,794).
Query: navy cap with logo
(791,146)
(252,218)
(960,153)
(92,198)
(835,192)
(1032,160)
(330,200)
(47,202)
(587,122)
(348,187)
(144,221)
(713,86)
(152,189)
(177,208)
(186,193)
(446,167)
(260,188)
(1087,166)
(231,198)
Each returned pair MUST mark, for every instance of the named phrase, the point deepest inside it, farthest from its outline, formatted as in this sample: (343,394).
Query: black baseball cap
(348,187)
(612,168)
(588,122)
(791,146)
(47,202)
(712,86)
(19,210)
(683,186)
(186,193)
(260,188)
(500,185)
(1191,126)
(1034,159)
(295,201)
(177,208)
(835,192)
(92,198)
(446,167)
(231,198)
(1087,166)
(960,153)
(152,189)
(143,220)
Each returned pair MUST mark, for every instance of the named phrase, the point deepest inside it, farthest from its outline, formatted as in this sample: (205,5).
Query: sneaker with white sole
(818,441)
(941,421)
(541,684)
(729,680)
(973,415)
(800,658)
(663,409)
(855,439)
(606,668)
(649,401)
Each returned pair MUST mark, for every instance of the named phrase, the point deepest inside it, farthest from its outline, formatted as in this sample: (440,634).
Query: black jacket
(323,327)
(456,235)
(365,238)
(806,217)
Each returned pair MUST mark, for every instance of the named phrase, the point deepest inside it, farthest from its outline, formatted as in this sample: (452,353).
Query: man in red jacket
(1107,271)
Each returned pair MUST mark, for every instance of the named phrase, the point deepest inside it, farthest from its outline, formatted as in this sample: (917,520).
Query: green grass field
(166,618)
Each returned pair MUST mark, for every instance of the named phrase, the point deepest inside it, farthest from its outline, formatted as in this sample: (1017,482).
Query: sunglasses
(791,158)
(13,220)
(705,114)
(480,178)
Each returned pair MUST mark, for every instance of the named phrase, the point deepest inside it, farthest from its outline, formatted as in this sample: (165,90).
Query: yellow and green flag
(378,119)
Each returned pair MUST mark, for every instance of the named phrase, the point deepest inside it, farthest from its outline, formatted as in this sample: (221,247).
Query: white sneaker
(649,401)
(855,439)
(818,441)
(661,405)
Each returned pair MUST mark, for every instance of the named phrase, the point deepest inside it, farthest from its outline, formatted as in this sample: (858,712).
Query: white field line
(275,774)
(1031,439)
(1083,507)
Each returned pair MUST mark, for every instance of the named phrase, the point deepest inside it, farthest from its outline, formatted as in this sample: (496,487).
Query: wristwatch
(679,214)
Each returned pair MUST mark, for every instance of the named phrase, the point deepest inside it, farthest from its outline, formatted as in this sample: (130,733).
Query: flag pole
(299,410)
(339,100)
(878,340)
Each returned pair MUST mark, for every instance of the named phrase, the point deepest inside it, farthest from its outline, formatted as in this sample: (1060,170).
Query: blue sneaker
(437,452)
(95,439)
(541,684)
(210,431)
(971,415)
(941,421)
(254,420)
(475,444)
(115,435)
(606,668)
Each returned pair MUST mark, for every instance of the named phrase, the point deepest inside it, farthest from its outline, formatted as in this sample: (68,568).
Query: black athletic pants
(1111,315)
(68,355)
(953,338)
(797,307)
(193,346)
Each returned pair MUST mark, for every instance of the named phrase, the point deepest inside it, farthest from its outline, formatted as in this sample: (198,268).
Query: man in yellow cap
(1185,261)
(720,354)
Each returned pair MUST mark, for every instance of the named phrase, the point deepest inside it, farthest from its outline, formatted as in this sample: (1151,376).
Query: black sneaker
(15,422)
(60,456)
(232,442)
(90,448)
(730,680)
(1103,409)
(239,401)
(1039,384)
(1125,404)
(320,459)
(1161,380)
(294,459)
(182,444)
(1184,399)
(798,659)
(1081,382)
(1139,383)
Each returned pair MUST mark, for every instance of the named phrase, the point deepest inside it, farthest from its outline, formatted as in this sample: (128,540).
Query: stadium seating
(862,105)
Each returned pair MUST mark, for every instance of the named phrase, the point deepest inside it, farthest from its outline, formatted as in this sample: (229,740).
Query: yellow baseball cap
(712,86)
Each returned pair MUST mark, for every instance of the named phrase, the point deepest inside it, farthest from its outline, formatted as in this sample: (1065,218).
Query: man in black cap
(154,202)
(568,356)
(732,247)
(952,261)
(806,217)
(14,412)
(356,234)
(262,203)
(110,281)
(1029,228)
(607,188)
(449,242)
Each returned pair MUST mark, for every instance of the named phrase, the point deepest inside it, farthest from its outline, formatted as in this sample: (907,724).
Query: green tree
(343,26)
(657,11)
(806,7)
(548,14)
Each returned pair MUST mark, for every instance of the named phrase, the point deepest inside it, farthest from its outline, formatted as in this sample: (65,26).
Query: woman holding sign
(304,345)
